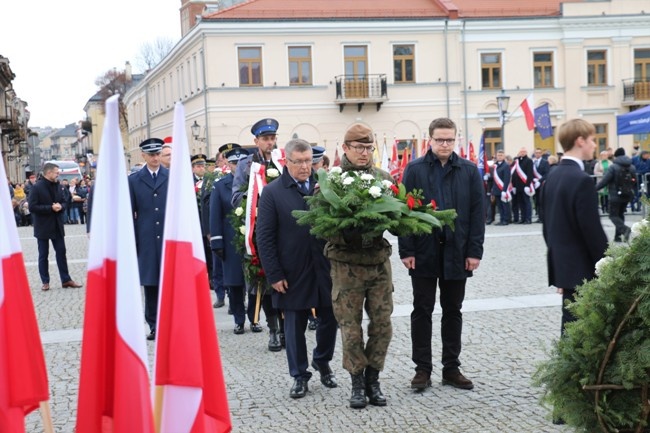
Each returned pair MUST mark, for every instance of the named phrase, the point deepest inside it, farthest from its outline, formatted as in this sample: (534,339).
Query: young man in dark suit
(575,241)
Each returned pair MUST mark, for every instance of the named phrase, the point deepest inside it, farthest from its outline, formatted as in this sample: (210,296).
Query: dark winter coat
(526,165)
(288,251)
(461,189)
(47,223)
(609,178)
(503,170)
(148,203)
(222,232)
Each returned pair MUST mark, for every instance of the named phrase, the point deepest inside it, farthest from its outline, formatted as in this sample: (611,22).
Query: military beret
(317,154)
(151,145)
(359,132)
(265,127)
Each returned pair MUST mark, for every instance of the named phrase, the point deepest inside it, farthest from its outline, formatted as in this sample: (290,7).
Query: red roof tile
(368,9)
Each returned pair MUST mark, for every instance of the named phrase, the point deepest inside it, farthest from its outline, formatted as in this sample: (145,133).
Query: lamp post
(196,132)
(502,102)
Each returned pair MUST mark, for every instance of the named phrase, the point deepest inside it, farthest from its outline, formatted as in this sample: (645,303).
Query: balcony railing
(636,90)
(361,89)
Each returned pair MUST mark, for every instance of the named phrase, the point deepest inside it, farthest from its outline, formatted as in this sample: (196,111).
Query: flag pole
(258,300)
(158,404)
(46,415)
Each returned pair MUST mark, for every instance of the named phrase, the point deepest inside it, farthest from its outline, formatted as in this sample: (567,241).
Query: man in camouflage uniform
(361,273)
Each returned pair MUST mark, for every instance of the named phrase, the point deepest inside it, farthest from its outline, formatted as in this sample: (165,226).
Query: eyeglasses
(361,149)
(444,141)
(304,162)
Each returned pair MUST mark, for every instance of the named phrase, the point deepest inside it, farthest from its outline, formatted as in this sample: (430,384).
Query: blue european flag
(543,121)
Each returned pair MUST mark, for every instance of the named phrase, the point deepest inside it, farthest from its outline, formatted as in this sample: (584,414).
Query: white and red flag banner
(190,395)
(114,385)
(23,376)
(527,106)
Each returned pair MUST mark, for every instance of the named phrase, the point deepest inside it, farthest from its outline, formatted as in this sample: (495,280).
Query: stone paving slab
(511,318)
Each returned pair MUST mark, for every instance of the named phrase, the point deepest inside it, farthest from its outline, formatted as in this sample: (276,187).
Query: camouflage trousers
(355,287)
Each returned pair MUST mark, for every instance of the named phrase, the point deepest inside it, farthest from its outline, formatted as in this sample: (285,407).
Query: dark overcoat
(288,251)
(461,188)
(222,232)
(148,202)
(47,223)
(503,171)
(572,230)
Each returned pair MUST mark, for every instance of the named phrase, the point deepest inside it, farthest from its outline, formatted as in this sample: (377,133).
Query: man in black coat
(46,204)
(523,182)
(572,230)
(540,170)
(501,181)
(296,268)
(445,257)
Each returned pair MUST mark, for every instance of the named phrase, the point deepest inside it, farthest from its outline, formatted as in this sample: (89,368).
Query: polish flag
(424,146)
(190,393)
(23,376)
(114,385)
(385,161)
(472,154)
(405,160)
(527,108)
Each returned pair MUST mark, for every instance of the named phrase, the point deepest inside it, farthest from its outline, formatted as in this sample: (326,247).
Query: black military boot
(373,390)
(358,397)
(274,339)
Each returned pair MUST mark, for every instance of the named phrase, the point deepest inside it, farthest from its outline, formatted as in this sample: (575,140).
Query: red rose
(255,261)
(433,204)
(261,272)
(395,189)
(410,201)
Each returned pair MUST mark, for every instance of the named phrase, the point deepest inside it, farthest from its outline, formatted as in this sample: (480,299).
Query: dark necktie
(302,186)
(155,176)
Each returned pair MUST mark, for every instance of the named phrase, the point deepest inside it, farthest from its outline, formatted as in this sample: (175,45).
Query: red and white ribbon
(256,182)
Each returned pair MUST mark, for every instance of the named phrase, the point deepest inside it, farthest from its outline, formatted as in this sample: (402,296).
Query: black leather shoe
(255,327)
(501,223)
(313,324)
(239,329)
(219,303)
(358,396)
(274,342)
(327,378)
(151,336)
(283,341)
(457,380)
(373,389)
(299,388)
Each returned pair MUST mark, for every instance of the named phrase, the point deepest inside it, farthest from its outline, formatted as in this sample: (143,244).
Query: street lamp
(196,132)
(502,102)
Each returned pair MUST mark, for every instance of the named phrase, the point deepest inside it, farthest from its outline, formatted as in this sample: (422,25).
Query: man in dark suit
(148,190)
(575,242)
(222,234)
(296,268)
(46,205)
(540,170)
(523,182)
(500,183)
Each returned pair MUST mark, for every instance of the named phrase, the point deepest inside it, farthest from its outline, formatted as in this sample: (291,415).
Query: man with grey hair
(296,268)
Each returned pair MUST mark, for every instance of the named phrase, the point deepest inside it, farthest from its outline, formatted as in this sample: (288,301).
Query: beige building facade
(396,74)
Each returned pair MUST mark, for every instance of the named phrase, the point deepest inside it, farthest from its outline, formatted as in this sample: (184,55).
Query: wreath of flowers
(362,201)
(253,271)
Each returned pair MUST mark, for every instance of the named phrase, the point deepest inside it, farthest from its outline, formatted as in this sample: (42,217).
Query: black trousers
(61,262)
(295,325)
(452,294)
(617,216)
(151,306)
(236,303)
(567,317)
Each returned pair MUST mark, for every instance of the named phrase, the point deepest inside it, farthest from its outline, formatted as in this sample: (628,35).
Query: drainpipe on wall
(465,83)
(205,99)
(447,66)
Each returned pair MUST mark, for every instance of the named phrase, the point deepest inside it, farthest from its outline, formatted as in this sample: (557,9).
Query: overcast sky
(57,49)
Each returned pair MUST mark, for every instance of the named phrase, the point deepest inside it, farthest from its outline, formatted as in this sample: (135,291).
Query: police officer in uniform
(265,132)
(148,191)
(222,234)
(361,274)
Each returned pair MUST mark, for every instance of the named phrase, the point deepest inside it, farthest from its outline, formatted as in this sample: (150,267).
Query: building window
(404,63)
(642,65)
(493,142)
(543,69)
(597,68)
(491,70)
(601,137)
(250,66)
(300,66)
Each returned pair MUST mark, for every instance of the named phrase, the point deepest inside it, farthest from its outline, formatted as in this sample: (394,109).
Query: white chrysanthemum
(637,226)
(336,170)
(367,176)
(239,211)
(600,264)
(387,183)
(242,230)
(348,181)
(218,170)
(375,191)
(272,172)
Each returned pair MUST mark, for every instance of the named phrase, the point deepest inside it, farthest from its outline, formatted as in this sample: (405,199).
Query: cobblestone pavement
(511,317)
